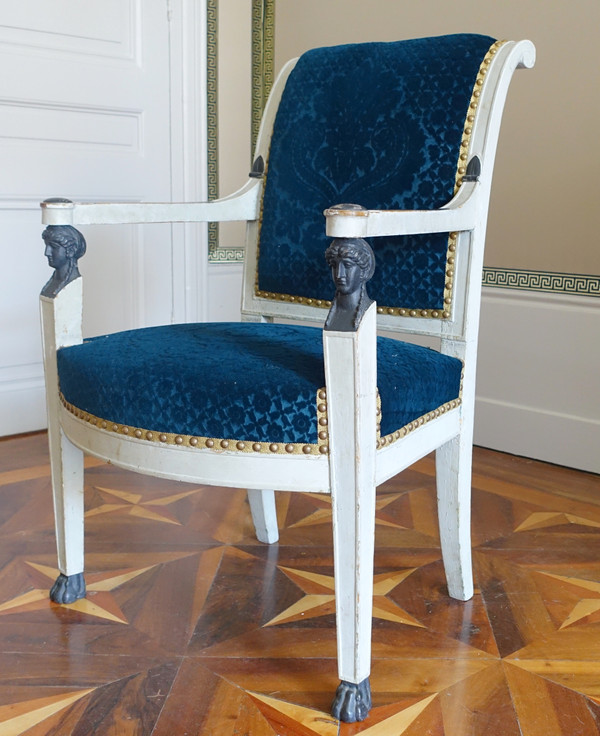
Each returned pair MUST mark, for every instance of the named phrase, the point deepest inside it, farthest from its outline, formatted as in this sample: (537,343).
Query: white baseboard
(22,407)
(543,435)
(538,391)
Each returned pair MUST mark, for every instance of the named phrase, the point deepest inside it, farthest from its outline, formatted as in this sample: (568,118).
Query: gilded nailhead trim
(212,443)
(273,448)
(389,439)
(461,169)
(311,302)
(322,423)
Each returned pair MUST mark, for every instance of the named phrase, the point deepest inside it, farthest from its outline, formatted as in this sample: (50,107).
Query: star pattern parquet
(191,626)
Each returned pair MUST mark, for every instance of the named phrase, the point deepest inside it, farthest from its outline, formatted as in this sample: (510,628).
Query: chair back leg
(264,515)
(453,478)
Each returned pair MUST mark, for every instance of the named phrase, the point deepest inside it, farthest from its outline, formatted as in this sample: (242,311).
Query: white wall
(224,292)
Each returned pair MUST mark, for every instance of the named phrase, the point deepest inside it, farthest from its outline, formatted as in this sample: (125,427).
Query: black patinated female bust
(352,264)
(64,246)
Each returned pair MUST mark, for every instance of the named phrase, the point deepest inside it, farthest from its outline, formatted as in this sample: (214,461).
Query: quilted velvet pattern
(250,382)
(376,124)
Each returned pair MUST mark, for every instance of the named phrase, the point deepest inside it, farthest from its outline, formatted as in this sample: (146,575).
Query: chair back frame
(469,242)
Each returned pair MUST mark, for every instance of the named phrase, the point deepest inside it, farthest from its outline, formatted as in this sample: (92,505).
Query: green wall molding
(212,118)
(263,33)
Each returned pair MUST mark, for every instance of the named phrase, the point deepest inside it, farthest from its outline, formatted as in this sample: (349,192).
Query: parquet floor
(193,627)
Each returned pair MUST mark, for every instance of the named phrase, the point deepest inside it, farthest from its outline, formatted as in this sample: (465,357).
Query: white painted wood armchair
(407,133)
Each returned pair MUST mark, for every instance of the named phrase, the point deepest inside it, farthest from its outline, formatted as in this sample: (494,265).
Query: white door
(85,113)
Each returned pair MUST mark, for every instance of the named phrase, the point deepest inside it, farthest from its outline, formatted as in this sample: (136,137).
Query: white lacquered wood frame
(351,378)
(61,326)
(200,465)
(353,468)
(264,514)
(241,205)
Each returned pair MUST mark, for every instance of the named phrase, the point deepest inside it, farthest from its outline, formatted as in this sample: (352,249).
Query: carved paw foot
(352,701)
(68,588)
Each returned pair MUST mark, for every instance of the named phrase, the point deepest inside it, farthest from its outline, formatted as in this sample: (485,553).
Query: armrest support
(242,205)
(459,214)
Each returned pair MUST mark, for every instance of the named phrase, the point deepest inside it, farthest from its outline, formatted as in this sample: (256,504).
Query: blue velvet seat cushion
(249,382)
(376,124)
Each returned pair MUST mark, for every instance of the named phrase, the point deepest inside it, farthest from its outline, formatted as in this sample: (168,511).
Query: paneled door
(87,113)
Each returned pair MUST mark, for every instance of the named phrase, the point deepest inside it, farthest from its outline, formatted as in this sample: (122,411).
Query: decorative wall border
(263,33)
(263,37)
(542,281)
(212,117)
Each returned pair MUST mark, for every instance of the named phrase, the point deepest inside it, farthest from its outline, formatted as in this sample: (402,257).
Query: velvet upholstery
(250,382)
(339,137)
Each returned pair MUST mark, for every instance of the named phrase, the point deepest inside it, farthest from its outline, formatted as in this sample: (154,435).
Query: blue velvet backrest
(382,125)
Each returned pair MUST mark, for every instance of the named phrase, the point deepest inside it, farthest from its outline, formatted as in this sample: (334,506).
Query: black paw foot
(68,588)
(352,702)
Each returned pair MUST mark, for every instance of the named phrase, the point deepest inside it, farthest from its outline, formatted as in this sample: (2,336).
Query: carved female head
(352,263)
(64,246)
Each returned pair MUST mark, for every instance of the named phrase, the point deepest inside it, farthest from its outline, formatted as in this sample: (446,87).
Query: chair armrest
(459,214)
(242,205)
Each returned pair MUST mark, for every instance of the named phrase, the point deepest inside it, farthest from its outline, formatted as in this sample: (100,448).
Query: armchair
(407,133)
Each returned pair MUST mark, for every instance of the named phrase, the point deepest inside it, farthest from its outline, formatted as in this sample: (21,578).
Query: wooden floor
(192,627)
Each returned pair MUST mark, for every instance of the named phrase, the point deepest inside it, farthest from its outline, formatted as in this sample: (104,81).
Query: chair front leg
(67,486)
(350,369)
(61,309)
(353,503)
